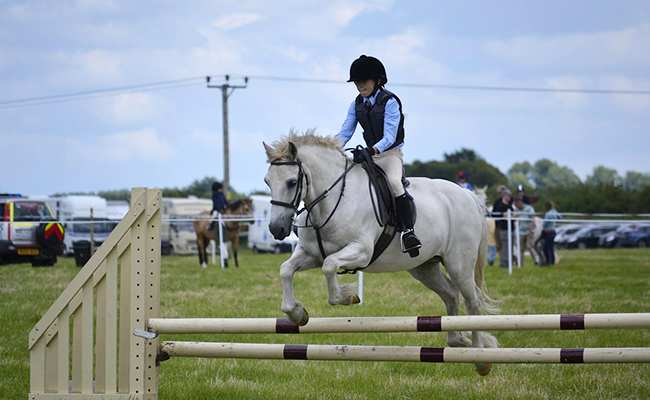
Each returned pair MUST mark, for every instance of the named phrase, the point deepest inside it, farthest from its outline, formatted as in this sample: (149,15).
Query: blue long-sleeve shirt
(391,123)
(219,202)
(551,215)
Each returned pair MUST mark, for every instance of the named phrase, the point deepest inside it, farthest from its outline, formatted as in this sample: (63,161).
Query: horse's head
(481,193)
(243,207)
(288,182)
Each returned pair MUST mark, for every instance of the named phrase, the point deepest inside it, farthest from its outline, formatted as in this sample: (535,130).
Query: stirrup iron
(413,250)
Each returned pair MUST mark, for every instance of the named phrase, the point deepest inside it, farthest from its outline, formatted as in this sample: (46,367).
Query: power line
(177,83)
(461,87)
(119,88)
(63,100)
(91,94)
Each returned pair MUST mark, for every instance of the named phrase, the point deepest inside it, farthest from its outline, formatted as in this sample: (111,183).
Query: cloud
(626,47)
(290,51)
(209,139)
(87,67)
(58,10)
(631,102)
(568,82)
(408,50)
(130,107)
(126,146)
(236,20)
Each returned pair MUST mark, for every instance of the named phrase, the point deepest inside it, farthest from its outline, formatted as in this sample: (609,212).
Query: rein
(295,202)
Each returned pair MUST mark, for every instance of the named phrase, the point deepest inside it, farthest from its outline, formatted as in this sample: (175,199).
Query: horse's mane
(237,203)
(279,150)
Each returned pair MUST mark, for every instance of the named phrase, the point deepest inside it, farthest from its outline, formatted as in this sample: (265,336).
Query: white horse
(481,193)
(450,223)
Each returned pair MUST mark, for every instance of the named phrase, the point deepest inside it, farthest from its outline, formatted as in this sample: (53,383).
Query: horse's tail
(487,303)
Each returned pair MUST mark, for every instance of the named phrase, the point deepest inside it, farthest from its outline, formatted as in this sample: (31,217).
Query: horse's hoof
(204,266)
(483,369)
(305,318)
(356,299)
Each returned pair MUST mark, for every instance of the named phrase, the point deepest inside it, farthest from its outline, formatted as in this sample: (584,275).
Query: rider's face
(365,87)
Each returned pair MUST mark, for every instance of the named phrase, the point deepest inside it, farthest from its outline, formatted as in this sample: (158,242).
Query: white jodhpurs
(391,161)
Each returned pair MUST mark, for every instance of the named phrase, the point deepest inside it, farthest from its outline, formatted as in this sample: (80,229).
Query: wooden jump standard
(109,347)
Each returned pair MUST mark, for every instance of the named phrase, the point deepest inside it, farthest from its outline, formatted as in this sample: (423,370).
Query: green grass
(586,282)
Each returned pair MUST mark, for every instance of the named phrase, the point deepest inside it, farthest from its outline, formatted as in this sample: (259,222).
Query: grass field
(586,282)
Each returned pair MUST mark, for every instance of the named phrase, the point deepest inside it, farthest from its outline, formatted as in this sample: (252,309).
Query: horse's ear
(268,150)
(485,188)
(293,150)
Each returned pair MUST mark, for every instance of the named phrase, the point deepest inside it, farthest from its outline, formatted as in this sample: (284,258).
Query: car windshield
(31,211)
(182,226)
(99,226)
(571,231)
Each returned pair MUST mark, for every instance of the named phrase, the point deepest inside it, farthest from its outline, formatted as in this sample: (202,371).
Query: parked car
(637,237)
(588,237)
(613,239)
(564,230)
(568,233)
(28,232)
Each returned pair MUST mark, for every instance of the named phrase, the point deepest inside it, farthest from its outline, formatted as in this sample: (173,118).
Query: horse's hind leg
(201,248)
(462,274)
(235,246)
(432,277)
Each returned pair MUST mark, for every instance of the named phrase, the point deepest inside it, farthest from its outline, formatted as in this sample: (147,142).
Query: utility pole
(224,99)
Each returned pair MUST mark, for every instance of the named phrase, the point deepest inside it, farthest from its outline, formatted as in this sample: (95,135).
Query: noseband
(297,197)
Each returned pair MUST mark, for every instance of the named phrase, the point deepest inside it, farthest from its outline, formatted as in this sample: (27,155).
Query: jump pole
(405,353)
(401,324)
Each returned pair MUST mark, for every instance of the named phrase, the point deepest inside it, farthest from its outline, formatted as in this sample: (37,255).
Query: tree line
(603,191)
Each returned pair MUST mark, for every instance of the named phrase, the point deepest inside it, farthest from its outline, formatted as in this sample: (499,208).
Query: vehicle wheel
(582,245)
(642,244)
(256,250)
(277,250)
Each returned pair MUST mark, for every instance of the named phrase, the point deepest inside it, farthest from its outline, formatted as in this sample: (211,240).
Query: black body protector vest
(372,119)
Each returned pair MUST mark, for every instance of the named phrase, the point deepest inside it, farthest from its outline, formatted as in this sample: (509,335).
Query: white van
(116,210)
(259,237)
(178,237)
(74,213)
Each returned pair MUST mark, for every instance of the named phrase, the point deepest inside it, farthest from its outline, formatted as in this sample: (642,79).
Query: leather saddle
(383,203)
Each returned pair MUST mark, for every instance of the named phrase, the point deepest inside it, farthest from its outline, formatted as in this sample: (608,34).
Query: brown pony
(231,229)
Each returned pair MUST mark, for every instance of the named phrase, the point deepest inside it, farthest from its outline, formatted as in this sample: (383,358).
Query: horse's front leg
(353,255)
(299,261)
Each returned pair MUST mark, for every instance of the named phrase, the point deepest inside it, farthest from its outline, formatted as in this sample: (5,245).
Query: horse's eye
(291,183)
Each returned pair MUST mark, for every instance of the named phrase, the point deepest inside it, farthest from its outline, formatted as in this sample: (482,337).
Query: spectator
(498,200)
(549,232)
(492,240)
(500,209)
(462,177)
(521,192)
(526,229)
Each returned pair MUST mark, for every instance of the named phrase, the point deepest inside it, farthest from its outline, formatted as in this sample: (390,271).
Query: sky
(172,136)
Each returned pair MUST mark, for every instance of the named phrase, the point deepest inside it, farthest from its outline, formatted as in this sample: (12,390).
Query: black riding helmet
(216,186)
(366,67)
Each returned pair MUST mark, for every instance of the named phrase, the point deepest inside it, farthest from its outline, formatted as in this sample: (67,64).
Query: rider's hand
(360,155)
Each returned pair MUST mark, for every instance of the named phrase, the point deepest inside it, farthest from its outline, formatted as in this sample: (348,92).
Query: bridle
(297,197)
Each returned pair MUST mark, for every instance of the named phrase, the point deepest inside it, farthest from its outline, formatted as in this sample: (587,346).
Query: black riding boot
(410,242)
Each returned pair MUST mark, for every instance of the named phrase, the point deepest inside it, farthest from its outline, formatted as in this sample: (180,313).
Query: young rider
(219,201)
(462,177)
(379,112)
